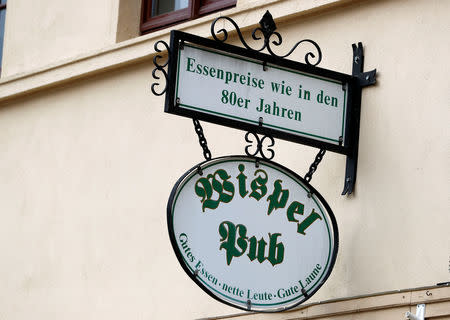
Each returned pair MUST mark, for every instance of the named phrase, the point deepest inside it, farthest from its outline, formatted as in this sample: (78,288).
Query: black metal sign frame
(354,82)
(179,39)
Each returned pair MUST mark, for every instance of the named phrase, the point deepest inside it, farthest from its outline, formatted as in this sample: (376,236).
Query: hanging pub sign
(250,232)
(255,236)
(249,90)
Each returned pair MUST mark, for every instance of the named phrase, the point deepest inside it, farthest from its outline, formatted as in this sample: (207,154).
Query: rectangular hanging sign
(248,90)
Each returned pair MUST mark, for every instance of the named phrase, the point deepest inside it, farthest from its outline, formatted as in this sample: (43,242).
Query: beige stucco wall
(88,159)
(47,32)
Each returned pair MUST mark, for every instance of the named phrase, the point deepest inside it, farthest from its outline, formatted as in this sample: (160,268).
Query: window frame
(195,9)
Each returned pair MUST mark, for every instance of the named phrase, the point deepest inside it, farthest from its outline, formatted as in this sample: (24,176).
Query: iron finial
(267,24)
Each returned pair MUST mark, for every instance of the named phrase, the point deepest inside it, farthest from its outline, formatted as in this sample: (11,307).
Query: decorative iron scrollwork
(160,67)
(259,145)
(267,28)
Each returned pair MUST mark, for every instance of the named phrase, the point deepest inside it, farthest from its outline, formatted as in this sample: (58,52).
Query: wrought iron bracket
(160,68)
(267,29)
(362,79)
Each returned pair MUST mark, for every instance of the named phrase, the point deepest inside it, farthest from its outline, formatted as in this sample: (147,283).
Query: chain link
(314,165)
(202,139)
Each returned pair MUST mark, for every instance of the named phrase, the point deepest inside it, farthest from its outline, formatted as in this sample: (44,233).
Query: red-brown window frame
(195,9)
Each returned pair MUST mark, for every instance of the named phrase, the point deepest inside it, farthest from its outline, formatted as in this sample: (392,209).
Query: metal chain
(314,165)
(202,139)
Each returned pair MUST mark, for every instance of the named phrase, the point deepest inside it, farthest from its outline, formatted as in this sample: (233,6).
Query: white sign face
(251,236)
(238,88)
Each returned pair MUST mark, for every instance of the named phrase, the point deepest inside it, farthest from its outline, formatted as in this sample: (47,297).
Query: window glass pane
(165,6)
(2,31)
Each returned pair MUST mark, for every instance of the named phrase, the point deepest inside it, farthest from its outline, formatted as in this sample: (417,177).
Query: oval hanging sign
(253,235)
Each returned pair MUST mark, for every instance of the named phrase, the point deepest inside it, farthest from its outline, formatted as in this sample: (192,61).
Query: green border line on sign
(252,121)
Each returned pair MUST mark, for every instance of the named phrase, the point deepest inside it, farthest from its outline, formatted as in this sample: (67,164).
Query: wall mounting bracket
(363,79)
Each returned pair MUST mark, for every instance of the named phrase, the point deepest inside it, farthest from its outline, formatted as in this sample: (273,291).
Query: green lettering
(290,113)
(261,83)
(236,75)
(307,95)
(288,90)
(205,70)
(257,249)
(228,76)
(242,181)
(198,69)
(301,227)
(218,182)
(275,86)
(259,184)
(227,232)
(295,207)
(334,102)
(276,250)
(190,63)
(320,97)
(220,74)
(260,107)
(276,109)
(278,198)
(242,79)
(212,72)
